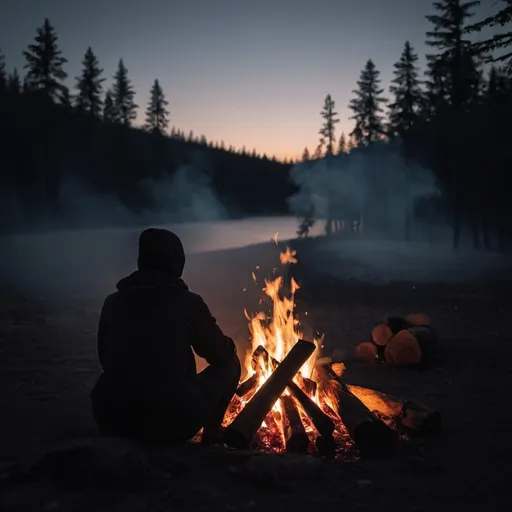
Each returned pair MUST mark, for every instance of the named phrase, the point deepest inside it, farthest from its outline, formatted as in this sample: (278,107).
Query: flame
(277,330)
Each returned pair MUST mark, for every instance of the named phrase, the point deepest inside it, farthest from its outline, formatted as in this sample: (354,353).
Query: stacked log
(400,341)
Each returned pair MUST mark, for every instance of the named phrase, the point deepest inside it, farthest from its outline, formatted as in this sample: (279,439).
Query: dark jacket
(146,334)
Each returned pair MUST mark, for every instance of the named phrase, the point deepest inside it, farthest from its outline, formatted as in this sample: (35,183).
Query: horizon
(237,89)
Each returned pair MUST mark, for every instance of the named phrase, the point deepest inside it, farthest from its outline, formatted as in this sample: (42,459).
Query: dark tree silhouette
(3,74)
(501,41)
(89,85)
(305,155)
(407,93)
(14,83)
(109,109)
(367,106)
(157,117)
(342,144)
(454,60)
(44,64)
(123,95)
(327,132)
(454,85)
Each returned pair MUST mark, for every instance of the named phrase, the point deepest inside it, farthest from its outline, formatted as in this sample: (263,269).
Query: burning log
(307,385)
(322,361)
(321,421)
(412,346)
(326,445)
(241,432)
(420,418)
(296,439)
(377,401)
(260,358)
(366,352)
(381,334)
(409,414)
(248,386)
(371,435)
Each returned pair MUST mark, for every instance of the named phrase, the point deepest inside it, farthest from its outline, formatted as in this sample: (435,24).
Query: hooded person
(150,390)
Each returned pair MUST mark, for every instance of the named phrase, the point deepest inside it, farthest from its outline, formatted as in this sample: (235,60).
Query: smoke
(185,196)
(372,184)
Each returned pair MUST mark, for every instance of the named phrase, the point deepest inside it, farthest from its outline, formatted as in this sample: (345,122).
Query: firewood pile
(408,341)
(323,414)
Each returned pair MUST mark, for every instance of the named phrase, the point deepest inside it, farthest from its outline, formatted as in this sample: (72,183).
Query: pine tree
(3,74)
(26,87)
(408,96)
(157,117)
(454,60)
(67,98)
(123,96)
(319,150)
(44,63)
(329,115)
(497,41)
(14,82)
(342,144)
(109,109)
(351,144)
(306,157)
(367,106)
(89,85)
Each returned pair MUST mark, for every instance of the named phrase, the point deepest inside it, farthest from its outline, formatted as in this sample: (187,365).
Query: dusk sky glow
(251,73)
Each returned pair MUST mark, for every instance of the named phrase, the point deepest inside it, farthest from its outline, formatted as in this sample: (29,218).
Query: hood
(162,250)
(150,282)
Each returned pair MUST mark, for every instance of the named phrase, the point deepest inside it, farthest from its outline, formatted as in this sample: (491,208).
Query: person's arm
(209,342)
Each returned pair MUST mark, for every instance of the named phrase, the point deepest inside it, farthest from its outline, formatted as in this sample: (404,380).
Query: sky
(252,73)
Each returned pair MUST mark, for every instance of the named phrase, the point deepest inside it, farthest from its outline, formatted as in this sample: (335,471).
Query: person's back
(149,389)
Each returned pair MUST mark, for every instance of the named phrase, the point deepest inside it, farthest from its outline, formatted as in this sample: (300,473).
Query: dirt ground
(48,367)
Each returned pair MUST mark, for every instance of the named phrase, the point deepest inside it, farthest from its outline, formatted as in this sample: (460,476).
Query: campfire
(292,400)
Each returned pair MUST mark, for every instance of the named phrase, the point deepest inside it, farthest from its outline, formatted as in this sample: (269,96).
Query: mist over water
(372,184)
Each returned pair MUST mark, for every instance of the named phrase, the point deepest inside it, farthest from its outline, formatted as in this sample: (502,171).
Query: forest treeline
(51,135)
(453,118)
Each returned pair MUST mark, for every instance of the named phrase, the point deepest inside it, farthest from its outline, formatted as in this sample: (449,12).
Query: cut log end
(403,349)
(418,319)
(366,352)
(381,334)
